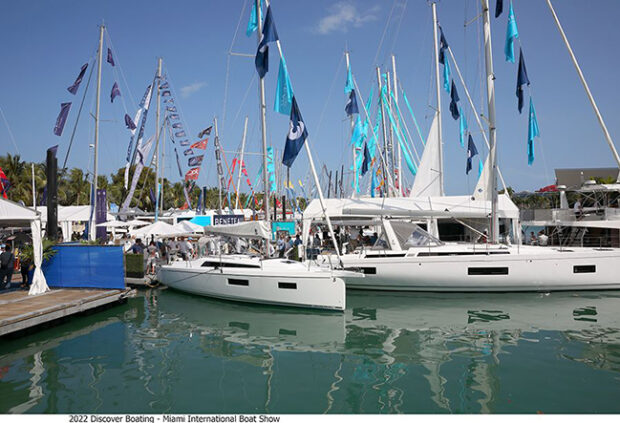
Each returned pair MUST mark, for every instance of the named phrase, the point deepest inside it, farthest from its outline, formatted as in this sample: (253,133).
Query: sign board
(227,219)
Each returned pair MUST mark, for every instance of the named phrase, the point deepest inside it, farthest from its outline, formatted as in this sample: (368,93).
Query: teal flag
(511,33)
(253,21)
(403,148)
(271,170)
(462,128)
(349,84)
(480,167)
(284,91)
(373,184)
(532,132)
(446,75)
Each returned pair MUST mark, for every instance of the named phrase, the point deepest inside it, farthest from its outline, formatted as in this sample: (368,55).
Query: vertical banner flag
(284,91)
(218,160)
(73,88)
(511,33)
(142,152)
(296,136)
(115,92)
(522,79)
(499,8)
(532,132)
(271,169)
(471,152)
(351,106)
(454,98)
(262,53)
(110,59)
(253,21)
(348,86)
(462,128)
(142,108)
(62,118)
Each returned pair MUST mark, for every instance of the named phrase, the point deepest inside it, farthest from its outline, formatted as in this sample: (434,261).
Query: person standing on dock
(7,261)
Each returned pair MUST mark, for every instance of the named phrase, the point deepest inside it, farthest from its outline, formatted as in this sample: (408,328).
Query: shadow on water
(168,352)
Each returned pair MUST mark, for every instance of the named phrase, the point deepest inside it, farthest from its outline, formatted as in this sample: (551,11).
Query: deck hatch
(588,268)
(478,271)
(287,285)
(238,282)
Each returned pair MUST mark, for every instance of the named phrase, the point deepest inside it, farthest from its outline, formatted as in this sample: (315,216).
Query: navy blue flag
(73,88)
(152,195)
(171,109)
(180,134)
(129,122)
(262,53)
(177,126)
(164,86)
(522,79)
(115,92)
(471,152)
(296,136)
(62,118)
(169,100)
(367,159)
(499,8)
(454,98)
(188,152)
(443,45)
(205,132)
(174,116)
(184,143)
(351,106)
(178,163)
(110,59)
(166,93)
(195,161)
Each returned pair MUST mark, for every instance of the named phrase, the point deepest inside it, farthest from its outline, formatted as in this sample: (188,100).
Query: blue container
(86,266)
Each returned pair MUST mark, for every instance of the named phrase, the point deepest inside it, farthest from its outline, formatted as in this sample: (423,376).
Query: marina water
(171,353)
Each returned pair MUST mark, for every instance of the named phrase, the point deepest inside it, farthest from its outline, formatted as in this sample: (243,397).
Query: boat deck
(19,311)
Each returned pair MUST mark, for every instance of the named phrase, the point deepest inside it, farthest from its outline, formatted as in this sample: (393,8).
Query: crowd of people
(10,261)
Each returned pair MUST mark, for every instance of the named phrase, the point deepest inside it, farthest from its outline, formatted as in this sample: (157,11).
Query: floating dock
(19,311)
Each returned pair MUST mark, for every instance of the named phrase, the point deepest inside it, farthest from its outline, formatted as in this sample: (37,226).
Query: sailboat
(407,257)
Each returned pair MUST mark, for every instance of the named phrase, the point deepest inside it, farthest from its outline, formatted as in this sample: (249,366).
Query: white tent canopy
(67,215)
(251,229)
(13,214)
(187,227)
(158,228)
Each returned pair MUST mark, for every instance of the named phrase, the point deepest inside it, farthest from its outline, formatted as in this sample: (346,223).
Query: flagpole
(400,161)
(488,55)
(245,131)
(586,87)
(219,177)
(355,179)
(438,90)
(263,121)
(157,112)
(93,214)
(34,189)
(383,126)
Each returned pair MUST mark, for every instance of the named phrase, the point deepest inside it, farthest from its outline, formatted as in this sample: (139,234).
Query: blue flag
(443,45)
(480,167)
(129,123)
(367,159)
(511,33)
(454,98)
(348,86)
(462,128)
(471,152)
(262,53)
(446,76)
(110,59)
(522,79)
(195,161)
(184,143)
(62,118)
(115,92)
(351,106)
(296,136)
(188,152)
(253,21)
(499,8)
(532,132)
(284,91)
(73,88)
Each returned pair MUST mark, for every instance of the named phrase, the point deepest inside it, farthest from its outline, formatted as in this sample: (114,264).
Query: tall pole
(245,132)
(93,213)
(383,162)
(157,139)
(399,158)
(34,189)
(392,157)
(438,90)
(263,122)
(585,86)
(488,56)
(352,123)
(219,177)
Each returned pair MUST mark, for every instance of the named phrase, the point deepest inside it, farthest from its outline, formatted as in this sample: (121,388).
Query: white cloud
(343,15)
(190,89)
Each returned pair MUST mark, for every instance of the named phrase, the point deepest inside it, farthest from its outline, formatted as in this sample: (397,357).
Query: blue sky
(45,43)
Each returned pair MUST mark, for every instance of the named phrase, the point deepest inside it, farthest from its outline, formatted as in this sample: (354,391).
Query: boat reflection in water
(168,352)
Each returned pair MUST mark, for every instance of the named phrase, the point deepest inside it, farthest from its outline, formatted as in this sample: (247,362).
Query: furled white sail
(427,182)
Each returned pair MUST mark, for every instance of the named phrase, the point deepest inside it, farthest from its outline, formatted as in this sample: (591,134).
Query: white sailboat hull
(530,269)
(276,282)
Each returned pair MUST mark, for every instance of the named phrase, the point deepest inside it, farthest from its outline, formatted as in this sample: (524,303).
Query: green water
(167,352)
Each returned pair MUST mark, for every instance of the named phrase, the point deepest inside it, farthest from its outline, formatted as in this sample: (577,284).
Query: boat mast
(263,122)
(355,181)
(91,228)
(488,56)
(219,177)
(585,86)
(384,130)
(245,131)
(400,161)
(157,139)
(438,90)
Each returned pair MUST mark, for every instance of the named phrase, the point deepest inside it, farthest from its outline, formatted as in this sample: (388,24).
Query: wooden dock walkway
(20,311)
